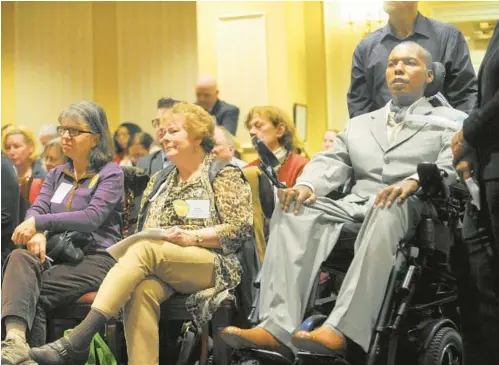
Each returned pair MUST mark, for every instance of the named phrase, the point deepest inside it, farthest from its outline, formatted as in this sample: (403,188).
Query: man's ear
(430,76)
(281,129)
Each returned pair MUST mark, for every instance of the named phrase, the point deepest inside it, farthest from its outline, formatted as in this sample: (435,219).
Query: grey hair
(48,130)
(228,136)
(56,142)
(427,58)
(92,114)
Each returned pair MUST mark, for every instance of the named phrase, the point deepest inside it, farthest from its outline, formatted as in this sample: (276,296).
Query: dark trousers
(479,279)
(32,290)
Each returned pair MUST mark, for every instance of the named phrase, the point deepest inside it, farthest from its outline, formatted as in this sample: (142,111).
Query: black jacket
(481,128)
(10,205)
(226,114)
(151,163)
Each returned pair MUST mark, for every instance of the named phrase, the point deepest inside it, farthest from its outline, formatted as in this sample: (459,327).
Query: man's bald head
(206,92)
(408,72)
(423,52)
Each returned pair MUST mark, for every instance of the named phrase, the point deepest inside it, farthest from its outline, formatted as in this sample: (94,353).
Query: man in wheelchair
(380,152)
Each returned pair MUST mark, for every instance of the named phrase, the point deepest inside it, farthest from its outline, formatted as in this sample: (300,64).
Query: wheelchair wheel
(445,348)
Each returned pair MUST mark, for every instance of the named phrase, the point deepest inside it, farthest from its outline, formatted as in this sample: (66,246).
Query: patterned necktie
(399,112)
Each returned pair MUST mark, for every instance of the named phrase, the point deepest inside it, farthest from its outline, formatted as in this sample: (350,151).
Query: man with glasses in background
(156,160)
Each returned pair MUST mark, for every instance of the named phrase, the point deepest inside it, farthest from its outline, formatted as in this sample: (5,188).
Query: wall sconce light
(364,16)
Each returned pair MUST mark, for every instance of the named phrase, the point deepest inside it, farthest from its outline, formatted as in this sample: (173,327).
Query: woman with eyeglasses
(84,195)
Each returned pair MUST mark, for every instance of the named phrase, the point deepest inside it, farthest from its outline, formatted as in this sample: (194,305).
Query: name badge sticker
(198,209)
(61,193)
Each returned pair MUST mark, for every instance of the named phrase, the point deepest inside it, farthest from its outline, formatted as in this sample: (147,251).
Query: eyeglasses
(73,132)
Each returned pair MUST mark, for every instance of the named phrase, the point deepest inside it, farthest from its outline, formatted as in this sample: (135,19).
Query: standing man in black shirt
(479,283)
(368,90)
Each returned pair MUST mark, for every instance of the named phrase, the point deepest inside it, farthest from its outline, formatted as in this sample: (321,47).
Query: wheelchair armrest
(336,195)
(432,182)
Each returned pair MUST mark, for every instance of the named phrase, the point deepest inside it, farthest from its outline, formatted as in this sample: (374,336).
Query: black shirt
(481,128)
(368,89)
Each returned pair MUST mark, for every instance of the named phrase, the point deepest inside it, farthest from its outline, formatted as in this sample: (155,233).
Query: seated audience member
(446,44)
(381,150)
(84,195)
(47,133)
(139,148)
(278,133)
(194,252)
(226,114)
(121,138)
(224,147)
(18,143)
(10,205)
(156,160)
(53,155)
(328,139)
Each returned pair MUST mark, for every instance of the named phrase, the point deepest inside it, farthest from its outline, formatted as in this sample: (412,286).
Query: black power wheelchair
(419,319)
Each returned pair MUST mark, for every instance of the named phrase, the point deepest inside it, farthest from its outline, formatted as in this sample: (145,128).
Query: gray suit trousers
(299,244)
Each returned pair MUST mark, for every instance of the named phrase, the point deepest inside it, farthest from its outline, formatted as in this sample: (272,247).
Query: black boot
(60,352)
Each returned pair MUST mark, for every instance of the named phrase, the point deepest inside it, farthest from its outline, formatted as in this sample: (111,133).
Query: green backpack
(100,353)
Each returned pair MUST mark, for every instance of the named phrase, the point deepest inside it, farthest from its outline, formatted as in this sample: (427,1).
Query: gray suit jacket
(361,151)
(151,163)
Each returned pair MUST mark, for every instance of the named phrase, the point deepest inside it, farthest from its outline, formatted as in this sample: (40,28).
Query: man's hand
(301,194)
(179,237)
(37,245)
(463,168)
(23,232)
(397,191)
(458,147)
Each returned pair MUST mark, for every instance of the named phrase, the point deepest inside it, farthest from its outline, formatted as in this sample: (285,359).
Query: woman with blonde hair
(19,144)
(274,128)
(193,219)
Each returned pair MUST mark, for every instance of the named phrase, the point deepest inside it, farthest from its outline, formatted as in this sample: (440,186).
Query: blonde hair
(197,122)
(289,139)
(29,139)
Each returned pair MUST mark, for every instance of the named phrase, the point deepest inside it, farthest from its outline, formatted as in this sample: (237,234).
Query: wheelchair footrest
(265,357)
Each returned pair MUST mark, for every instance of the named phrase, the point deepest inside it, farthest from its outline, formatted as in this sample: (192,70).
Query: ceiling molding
(465,12)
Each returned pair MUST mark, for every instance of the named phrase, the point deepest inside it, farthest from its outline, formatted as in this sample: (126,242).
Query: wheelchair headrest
(438,79)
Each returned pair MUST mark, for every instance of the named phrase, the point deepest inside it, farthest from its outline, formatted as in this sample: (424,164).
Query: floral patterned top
(231,214)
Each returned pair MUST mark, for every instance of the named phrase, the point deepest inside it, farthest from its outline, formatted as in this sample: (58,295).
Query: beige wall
(122,55)
(157,56)
(294,53)
(51,61)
